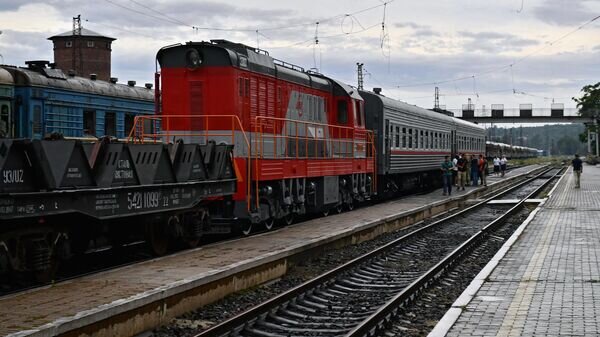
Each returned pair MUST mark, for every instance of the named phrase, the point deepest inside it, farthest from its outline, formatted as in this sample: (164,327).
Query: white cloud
(430,40)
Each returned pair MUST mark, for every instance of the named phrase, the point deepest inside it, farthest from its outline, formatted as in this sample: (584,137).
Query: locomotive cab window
(4,121)
(342,112)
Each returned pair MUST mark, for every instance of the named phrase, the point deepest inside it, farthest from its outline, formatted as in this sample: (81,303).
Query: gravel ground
(419,318)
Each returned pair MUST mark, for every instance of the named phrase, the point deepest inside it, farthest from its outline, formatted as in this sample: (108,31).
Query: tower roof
(84,32)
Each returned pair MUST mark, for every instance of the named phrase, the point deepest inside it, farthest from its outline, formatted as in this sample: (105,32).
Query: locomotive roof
(245,57)
(6,77)
(352,92)
(55,78)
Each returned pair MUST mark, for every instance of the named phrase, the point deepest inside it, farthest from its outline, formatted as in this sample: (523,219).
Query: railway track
(359,297)
(109,258)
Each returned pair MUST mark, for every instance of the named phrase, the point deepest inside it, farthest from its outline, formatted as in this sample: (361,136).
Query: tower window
(69,44)
(90,44)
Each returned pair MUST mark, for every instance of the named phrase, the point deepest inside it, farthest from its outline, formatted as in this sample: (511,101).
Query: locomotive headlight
(193,58)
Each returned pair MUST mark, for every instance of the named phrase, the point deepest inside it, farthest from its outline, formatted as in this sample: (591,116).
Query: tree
(589,103)
(589,106)
(567,145)
(537,141)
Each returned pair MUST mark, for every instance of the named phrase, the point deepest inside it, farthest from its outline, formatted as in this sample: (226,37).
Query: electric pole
(360,75)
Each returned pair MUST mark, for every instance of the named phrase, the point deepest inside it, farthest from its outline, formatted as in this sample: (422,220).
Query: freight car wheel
(157,238)
(48,274)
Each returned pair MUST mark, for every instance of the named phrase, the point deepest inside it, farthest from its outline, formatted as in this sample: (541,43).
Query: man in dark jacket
(447,175)
(577,170)
(474,171)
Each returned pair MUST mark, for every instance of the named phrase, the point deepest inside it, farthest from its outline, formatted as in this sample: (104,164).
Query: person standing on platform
(447,175)
(483,167)
(467,169)
(577,170)
(503,163)
(496,166)
(474,171)
(455,171)
(461,165)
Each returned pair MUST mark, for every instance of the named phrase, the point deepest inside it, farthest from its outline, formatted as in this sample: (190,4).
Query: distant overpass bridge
(525,113)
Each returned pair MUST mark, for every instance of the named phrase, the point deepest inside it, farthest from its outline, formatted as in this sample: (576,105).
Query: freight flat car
(59,198)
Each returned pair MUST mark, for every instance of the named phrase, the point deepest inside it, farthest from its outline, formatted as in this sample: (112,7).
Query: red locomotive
(300,143)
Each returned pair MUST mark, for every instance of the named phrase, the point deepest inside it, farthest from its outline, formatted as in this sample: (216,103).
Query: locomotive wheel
(246,227)
(288,219)
(325,211)
(269,223)
(339,208)
(350,205)
(157,238)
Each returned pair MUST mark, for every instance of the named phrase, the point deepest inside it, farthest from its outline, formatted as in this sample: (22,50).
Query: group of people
(462,169)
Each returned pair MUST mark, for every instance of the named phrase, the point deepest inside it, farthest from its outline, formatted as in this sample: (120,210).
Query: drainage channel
(336,302)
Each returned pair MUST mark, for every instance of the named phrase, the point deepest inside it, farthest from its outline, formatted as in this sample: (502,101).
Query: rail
(234,325)
(155,129)
(377,321)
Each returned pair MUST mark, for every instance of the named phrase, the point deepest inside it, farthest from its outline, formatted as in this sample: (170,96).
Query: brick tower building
(83,51)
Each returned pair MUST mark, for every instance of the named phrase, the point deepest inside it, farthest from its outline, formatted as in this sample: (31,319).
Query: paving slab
(545,281)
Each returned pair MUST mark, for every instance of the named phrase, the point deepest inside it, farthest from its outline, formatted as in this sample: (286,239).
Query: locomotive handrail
(138,134)
(349,133)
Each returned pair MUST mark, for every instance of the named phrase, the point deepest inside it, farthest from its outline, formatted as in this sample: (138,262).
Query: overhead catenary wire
(167,18)
(507,66)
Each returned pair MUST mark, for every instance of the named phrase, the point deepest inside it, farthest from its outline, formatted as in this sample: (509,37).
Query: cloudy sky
(494,52)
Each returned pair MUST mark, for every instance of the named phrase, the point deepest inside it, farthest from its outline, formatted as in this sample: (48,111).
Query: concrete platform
(137,298)
(545,281)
